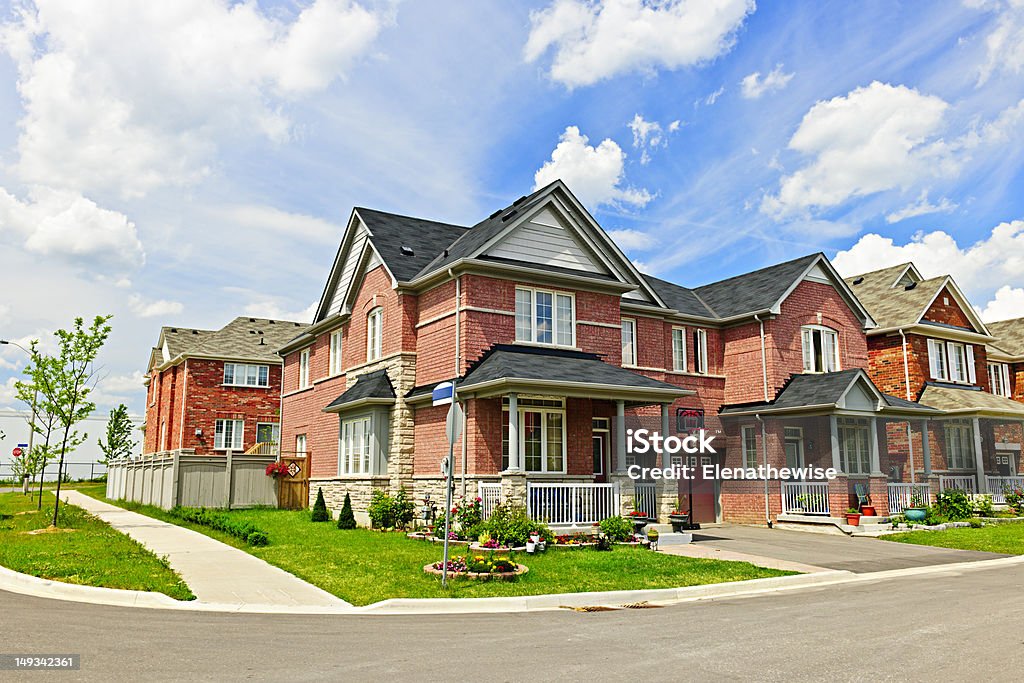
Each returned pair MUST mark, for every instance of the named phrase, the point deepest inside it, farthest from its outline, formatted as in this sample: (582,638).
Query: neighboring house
(930,346)
(537,314)
(213,390)
(1006,359)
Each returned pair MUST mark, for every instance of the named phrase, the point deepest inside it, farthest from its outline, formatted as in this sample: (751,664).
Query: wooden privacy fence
(183,478)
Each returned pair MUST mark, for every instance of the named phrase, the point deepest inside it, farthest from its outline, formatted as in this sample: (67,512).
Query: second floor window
(700,352)
(544,317)
(951,362)
(238,374)
(999,379)
(304,369)
(374,322)
(628,341)
(679,349)
(820,349)
(335,353)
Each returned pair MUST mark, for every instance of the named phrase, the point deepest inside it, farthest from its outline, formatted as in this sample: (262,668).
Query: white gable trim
(823,264)
(330,289)
(363,267)
(862,379)
(910,269)
(961,301)
(543,237)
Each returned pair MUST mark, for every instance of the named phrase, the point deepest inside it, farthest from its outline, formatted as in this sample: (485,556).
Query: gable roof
(1009,336)
(682,299)
(426,239)
(759,290)
(244,338)
(181,339)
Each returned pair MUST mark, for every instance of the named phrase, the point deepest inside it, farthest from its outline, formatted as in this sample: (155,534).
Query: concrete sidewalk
(216,573)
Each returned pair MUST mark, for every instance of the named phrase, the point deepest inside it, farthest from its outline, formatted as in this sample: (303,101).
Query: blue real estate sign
(443,393)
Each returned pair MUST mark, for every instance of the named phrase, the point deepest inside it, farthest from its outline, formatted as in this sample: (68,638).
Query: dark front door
(699,495)
(600,441)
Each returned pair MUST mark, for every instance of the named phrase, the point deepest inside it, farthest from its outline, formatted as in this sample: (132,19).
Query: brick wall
(946,310)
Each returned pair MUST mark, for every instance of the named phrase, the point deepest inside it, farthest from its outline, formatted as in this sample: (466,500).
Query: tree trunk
(60,472)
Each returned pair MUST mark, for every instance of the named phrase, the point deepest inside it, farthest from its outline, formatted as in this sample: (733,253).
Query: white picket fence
(996,486)
(805,497)
(572,503)
(966,483)
(900,496)
(490,498)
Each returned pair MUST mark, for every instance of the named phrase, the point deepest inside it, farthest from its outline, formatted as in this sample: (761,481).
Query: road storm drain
(606,608)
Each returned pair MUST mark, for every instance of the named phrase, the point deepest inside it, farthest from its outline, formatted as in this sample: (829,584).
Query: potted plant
(916,511)
(679,519)
(639,520)
(853,517)
(867,510)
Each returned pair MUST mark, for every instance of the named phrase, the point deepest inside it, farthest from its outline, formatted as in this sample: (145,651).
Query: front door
(1004,463)
(600,440)
(794,447)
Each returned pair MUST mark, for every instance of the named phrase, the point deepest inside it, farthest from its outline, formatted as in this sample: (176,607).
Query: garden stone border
(479,576)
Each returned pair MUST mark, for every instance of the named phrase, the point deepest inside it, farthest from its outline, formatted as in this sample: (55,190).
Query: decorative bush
(1014,497)
(257,538)
(603,543)
(320,513)
(953,504)
(391,512)
(509,525)
(246,531)
(404,509)
(479,564)
(346,520)
(983,506)
(617,528)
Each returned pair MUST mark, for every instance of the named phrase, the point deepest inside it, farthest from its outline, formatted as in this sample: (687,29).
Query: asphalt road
(956,625)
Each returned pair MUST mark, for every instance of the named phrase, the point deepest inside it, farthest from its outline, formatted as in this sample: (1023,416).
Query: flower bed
(500,548)
(479,568)
(420,536)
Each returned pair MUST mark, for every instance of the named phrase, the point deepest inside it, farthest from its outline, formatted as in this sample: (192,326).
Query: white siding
(546,241)
(818,274)
(348,268)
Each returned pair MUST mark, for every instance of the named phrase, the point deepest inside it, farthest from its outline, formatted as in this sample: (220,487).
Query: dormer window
(820,349)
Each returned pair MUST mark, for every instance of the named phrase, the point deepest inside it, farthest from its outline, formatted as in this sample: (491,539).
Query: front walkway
(859,555)
(216,573)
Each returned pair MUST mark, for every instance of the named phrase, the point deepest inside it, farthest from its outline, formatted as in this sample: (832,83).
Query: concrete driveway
(859,555)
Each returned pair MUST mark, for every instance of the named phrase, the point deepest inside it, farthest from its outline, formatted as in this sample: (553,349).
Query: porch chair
(863,497)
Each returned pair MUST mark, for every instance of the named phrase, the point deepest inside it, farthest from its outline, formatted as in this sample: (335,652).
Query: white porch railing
(996,485)
(805,497)
(900,496)
(572,503)
(490,498)
(966,483)
(645,499)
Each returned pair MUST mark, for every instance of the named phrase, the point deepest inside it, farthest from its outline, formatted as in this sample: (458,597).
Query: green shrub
(346,519)
(617,528)
(1014,496)
(220,521)
(404,509)
(954,504)
(320,513)
(983,506)
(257,538)
(509,525)
(381,510)
(976,523)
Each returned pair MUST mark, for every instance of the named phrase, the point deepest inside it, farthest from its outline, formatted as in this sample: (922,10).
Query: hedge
(247,531)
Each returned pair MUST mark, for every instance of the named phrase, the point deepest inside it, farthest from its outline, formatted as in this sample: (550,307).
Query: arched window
(374,321)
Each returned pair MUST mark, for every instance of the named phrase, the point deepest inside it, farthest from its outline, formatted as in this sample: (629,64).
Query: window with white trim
(628,341)
(300,444)
(937,360)
(820,347)
(354,446)
(335,366)
(749,440)
(542,435)
(854,445)
(374,326)
(545,317)
(228,434)
(242,375)
(959,444)
(679,349)
(999,379)
(700,351)
(303,368)
(951,362)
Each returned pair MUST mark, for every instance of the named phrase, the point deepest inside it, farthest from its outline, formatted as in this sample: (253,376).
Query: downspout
(764,451)
(906,365)
(458,370)
(764,359)
(906,382)
(184,392)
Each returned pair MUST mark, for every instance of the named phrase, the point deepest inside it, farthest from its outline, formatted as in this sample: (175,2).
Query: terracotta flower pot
(853,519)
(867,510)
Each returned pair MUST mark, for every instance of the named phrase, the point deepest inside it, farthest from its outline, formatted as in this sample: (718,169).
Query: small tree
(46,420)
(320,513)
(119,442)
(346,519)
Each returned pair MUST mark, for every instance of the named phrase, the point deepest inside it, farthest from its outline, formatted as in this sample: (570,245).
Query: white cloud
(632,240)
(1007,304)
(594,174)
(648,135)
(593,41)
(920,207)
(129,96)
(753,86)
(112,390)
(145,308)
(9,395)
(999,258)
(66,224)
(250,216)
(710,99)
(1005,43)
(875,138)
(274,308)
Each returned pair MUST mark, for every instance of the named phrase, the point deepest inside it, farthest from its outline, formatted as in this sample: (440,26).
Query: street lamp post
(32,422)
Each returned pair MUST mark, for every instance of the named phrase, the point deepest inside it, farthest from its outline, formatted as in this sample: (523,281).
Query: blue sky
(183,163)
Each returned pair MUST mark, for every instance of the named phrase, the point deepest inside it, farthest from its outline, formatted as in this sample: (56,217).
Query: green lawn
(363,566)
(92,554)
(994,538)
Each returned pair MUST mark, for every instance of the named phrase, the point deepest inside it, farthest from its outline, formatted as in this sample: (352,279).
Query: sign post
(452,430)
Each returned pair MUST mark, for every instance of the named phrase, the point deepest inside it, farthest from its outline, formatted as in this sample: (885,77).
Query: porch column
(513,433)
(834,429)
(665,457)
(876,466)
(979,458)
(926,448)
(620,436)
(910,451)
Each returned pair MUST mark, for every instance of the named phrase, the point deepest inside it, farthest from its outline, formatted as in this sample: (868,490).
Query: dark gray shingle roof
(375,384)
(680,298)
(390,232)
(752,292)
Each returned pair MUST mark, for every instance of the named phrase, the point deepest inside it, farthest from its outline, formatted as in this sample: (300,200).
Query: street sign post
(452,430)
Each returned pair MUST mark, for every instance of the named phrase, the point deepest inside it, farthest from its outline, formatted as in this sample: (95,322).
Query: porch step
(670,538)
(832,525)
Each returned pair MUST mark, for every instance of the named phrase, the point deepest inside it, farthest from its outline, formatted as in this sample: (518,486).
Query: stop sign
(16,452)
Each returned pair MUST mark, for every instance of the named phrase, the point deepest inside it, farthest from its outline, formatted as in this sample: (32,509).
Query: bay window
(228,434)
(854,445)
(628,341)
(544,317)
(354,446)
(820,349)
(679,349)
(542,435)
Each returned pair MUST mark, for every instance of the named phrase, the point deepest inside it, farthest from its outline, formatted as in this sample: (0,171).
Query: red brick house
(535,313)
(210,390)
(931,347)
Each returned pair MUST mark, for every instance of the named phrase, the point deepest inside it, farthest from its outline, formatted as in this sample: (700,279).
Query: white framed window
(679,349)
(628,341)
(303,368)
(300,444)
(999,379)
(820,347)
(545,317)
(950,361)
(163,435)
(542,435)
(749,440)
(700,351)
(354,446)
(228,434)
(374,320)
(937,366)
(959,444)
(854,445)
(242,375)
(334,351)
